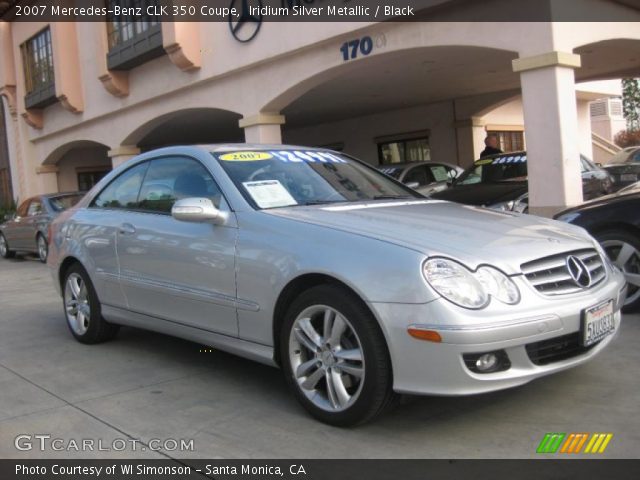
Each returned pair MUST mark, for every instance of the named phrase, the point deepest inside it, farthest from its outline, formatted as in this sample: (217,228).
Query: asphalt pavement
(144,387)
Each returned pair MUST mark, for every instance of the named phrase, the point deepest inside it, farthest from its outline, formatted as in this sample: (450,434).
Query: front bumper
(428,368)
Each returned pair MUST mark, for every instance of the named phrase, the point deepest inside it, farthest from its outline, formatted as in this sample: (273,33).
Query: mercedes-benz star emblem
(579,272)
(245,27)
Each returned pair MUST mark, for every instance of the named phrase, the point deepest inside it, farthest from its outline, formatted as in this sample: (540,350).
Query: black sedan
(614,220)
(625,167)
(500,182)
(26,231)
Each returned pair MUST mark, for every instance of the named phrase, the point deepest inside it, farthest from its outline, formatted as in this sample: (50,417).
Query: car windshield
(508,168)
(281,178)
(64,201)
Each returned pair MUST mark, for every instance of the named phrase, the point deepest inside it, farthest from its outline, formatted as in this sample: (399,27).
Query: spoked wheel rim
(326,357)
(76,302)
(42,248)
(3,246)
(627,258)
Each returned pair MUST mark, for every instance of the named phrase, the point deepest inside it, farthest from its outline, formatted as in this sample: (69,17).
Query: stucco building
(80,98)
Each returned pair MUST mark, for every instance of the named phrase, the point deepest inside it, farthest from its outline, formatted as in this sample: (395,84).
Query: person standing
(491,146)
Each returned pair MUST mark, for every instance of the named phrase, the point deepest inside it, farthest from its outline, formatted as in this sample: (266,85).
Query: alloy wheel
(627,258)
(42,248)
(3,246)
(76,302)
(326,357)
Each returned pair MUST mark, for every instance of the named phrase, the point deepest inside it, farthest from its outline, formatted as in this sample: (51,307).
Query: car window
(417,174)
(58,204)
(173,178)
(35,208)
(123,191)
(636,156)
(22,209)
(508,168)
(442,173)
(280,178)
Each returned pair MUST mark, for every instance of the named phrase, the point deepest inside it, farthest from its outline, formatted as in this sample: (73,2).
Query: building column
(470,135)
(121,154)
(47,178)
(262,128)
(551,126)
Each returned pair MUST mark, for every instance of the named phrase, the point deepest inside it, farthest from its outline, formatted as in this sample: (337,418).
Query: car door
(183,272)
(13,230)
(590,182)
(97,229)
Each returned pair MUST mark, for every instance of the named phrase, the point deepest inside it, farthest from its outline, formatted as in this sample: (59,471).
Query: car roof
(239,147)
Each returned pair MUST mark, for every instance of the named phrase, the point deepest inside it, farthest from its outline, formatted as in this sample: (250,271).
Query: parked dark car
(26,231)
(500,182)
(424,177)
(624,167)
(614,220)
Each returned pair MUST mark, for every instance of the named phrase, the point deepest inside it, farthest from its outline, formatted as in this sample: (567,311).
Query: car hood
(483,193)
(617,168)
(611,199)
(469,234)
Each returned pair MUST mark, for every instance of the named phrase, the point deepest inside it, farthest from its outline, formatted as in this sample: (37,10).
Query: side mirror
(197,209)
(413,185)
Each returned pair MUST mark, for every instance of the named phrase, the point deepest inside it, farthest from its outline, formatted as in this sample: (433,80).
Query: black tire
(95,329)
(5,252)
(611,241)
(375,392)
(43,251)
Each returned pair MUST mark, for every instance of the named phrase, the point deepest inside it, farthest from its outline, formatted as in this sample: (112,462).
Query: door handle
(127,229)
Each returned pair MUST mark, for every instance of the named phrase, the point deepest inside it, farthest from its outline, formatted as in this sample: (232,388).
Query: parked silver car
(424,177)
(358,287)
(26,231)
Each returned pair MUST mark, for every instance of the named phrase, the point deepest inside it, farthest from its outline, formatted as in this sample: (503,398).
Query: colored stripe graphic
(550,442)
(572,443)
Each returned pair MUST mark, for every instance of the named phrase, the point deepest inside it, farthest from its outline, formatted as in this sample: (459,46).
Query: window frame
(403,139)
(224,206)
(39,94)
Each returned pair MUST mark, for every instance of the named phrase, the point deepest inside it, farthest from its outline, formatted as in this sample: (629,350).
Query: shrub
(627,138)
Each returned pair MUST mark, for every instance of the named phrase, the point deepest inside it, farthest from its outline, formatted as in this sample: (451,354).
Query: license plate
(628,177)
(597,323)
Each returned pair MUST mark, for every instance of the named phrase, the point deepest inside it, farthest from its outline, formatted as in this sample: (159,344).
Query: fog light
(487,362)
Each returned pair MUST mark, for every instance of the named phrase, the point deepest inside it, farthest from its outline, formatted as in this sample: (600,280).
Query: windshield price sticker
(245,156)
(269,194)
(516,159)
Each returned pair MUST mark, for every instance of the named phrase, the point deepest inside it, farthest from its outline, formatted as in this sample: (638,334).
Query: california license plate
(597,323)
(629,177)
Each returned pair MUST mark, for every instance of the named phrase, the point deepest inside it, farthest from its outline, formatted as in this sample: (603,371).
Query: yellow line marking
(582,440)
(590,444)
(598,442)
(605,443)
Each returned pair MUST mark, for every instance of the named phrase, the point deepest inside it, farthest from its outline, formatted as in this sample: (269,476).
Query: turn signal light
(428,335)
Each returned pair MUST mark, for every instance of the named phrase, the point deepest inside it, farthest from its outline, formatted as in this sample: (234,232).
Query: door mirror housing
(198,209)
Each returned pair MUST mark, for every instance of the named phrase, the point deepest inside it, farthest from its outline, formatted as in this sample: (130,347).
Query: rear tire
(4,248)
(43,248)
(335,358)
(82,308)
(623,248)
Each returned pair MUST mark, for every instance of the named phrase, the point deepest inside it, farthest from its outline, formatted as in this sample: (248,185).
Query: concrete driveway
(144,386)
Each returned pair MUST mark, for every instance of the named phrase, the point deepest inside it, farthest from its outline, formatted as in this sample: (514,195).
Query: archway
(79,164)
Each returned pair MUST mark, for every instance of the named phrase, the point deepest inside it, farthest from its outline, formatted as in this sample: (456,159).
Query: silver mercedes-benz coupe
(356,286)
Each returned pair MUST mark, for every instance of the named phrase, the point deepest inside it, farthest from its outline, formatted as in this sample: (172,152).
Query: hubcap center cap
(328,360)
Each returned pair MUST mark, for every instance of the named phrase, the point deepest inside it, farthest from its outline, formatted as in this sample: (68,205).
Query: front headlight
(498,285)
(455,283)
(467,289)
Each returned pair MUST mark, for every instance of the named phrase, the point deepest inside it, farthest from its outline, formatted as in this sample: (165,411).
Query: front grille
(557,349)
(550,275)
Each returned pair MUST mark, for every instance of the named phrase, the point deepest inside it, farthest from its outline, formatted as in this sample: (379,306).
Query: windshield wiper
(391,197)
(320,202)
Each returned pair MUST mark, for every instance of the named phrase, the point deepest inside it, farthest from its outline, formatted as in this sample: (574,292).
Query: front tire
(4,248)
(82,308)
(335,357)
(623,249)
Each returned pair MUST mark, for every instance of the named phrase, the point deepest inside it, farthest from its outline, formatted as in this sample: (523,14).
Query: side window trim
(223,200)
(93,200)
